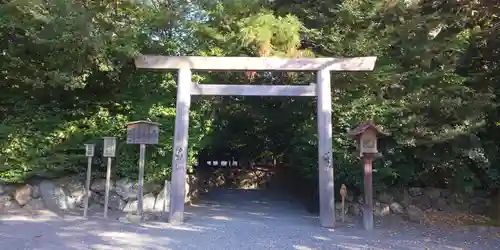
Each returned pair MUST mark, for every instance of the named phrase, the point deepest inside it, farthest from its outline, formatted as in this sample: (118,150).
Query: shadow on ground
(227,219)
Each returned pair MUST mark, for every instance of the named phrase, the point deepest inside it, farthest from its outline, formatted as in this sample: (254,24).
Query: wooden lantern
(366,135)
(366,139)
(142,132)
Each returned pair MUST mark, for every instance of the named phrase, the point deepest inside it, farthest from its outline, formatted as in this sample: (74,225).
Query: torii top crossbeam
(207,63)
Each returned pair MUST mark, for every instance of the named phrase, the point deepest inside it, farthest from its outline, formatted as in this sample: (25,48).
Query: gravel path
(229,219)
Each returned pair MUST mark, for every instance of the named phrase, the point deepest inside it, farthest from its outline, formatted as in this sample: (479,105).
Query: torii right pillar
(325,158)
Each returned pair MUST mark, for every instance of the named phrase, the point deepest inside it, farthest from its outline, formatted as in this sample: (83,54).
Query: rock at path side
(5,197)
(149,217)
(74,189)
(130,207)
(130,218)
(385,198)
(7,189)
(8,204)
(23,194)
(148,202)
(134,218)
(35,204)
(396,208)
(381,209)
(355,209)
(415,214)
(35,193)
(423,202)
(54,197)
(3,188)
(11,205)
(440,204)
(99,185)
(127,189)
(161,201)
(115,202)
(415,191)
(433,193)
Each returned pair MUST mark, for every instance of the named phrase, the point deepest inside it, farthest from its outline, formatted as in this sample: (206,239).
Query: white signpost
(109,150)
(89,152)
(322,91)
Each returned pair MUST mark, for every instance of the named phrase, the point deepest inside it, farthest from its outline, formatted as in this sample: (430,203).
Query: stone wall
(67,194)
(413,203)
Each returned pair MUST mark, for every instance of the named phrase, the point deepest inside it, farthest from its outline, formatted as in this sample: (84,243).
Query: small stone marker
(343,193)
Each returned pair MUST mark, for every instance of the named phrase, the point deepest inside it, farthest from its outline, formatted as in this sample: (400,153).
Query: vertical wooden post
(142,159)
(368,206)
(106,191)
(343,193)
(179,156)
(87,187)
(326,187)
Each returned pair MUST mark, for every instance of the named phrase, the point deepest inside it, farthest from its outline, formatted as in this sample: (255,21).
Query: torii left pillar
(179,156)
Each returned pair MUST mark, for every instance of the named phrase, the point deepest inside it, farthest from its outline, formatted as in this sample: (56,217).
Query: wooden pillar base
(368,188)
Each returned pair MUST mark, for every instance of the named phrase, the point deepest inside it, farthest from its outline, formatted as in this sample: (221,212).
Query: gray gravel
(230,219)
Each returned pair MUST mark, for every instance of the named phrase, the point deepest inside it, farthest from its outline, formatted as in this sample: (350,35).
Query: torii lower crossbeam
(185,88)
(253,90)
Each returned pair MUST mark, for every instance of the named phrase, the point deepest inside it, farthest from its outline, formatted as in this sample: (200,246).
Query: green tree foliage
(68,79)
(417,92)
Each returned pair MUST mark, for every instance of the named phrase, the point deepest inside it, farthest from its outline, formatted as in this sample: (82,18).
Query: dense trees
(67,79)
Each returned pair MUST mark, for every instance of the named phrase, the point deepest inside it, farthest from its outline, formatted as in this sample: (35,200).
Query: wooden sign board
(142,132)
(89,150)
(109,148)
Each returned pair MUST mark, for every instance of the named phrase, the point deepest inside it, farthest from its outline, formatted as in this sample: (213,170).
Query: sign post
(109,152)
(89,152)
(343,193)
(142,133)
(366,137)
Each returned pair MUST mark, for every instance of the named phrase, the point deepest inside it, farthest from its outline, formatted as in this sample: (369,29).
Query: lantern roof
(363,127)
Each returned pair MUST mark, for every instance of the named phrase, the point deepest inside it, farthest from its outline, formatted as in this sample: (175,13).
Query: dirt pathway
(229,219)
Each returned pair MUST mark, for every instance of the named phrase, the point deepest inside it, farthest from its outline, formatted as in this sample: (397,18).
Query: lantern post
(142,133)
(89,152)
(366,137)
(109,150)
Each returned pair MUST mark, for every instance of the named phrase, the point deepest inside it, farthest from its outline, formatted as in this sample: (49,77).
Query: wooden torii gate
(322,90)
